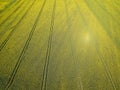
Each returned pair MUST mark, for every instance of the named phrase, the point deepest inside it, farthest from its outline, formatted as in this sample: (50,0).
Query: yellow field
(59,44)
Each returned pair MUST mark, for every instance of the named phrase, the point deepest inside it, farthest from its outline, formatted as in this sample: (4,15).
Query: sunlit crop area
(59,44)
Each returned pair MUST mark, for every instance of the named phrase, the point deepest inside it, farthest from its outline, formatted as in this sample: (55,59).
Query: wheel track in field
(10,4)
(9,25)
(104,9)
(14,28)
(101,59)
(65,34)
(13,74)
(108,73)
(3,11)
(71,45)
(7,18)
(113,18)
(104,23)
(47,60)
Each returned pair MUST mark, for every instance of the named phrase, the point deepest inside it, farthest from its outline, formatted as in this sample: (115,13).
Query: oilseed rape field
(59,44)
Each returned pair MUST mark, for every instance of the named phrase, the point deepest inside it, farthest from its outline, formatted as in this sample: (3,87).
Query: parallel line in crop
(81,15)
(13,74)
(64,35)
(62,38)
(47,60)
(107,12)
(104,24)
(69,23)
(9,7)
(9,25)
(7,18)
(116,21)
(14,28)
(101,58)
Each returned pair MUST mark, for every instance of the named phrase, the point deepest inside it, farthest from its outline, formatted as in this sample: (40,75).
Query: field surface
(59,44)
